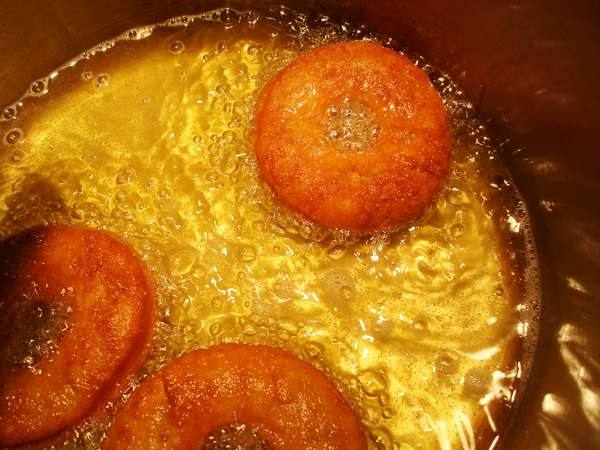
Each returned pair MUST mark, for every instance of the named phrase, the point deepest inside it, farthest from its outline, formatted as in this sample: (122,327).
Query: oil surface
(146,136)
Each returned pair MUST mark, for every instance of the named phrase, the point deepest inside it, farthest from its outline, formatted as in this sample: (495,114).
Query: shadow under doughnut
(354,136)
(237,394)
(77,313)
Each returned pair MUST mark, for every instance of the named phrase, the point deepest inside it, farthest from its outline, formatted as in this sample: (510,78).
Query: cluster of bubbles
(36,331)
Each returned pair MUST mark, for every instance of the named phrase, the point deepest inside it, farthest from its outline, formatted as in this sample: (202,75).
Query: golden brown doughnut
(77,312)
(236,394)
(354,136)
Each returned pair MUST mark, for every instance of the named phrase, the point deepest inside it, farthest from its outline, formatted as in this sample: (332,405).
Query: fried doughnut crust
(354,136)
(89,295)
(289,403)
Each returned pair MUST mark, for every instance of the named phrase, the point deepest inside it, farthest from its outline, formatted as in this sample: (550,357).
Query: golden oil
(147,136)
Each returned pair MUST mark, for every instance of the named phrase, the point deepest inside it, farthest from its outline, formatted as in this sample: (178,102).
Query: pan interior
(147,136)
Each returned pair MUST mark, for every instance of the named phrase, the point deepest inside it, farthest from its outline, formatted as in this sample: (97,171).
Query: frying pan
(530,68)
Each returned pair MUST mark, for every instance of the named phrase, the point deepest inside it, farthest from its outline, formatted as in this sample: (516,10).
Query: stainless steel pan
(531,68)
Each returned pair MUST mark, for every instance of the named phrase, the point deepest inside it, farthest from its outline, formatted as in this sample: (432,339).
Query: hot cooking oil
(424,330)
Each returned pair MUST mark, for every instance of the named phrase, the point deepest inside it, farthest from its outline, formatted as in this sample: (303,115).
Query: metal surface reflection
(580,350)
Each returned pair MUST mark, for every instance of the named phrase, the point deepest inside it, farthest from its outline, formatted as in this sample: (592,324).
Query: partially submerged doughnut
(354,136)
(77,312)
(236,394)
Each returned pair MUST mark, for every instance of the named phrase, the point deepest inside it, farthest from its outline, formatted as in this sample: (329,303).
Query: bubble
(216,302)
(336,252)
(176,47)
(222,89)
(499,291)
(17,157)
(459,197)
(384,398)
(373,383)
(477,381)
(215,329)
(387,413)
(87,75)
(14,136)
(9,113)
(229,162)
(419,324)
(197,139)
(285,290)
(339,287)
(212,176)
(446,365)
(258,225)
(346,292)
(102,80)
(38,87)
(457,230)
(253,49)
(229,17)
(132,34)
(270,322)
(199,273)
(313,350)
(181,261)
(250,329)
(252,18)
(123,178)
(121,195)
(177,314)
(246,253)
(229,136)
(288,325)
(381,327)
(283,336)
(254,318)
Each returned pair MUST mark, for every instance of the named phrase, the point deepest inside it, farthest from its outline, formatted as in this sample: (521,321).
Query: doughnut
(353,136)
(77,313)
(236,396)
